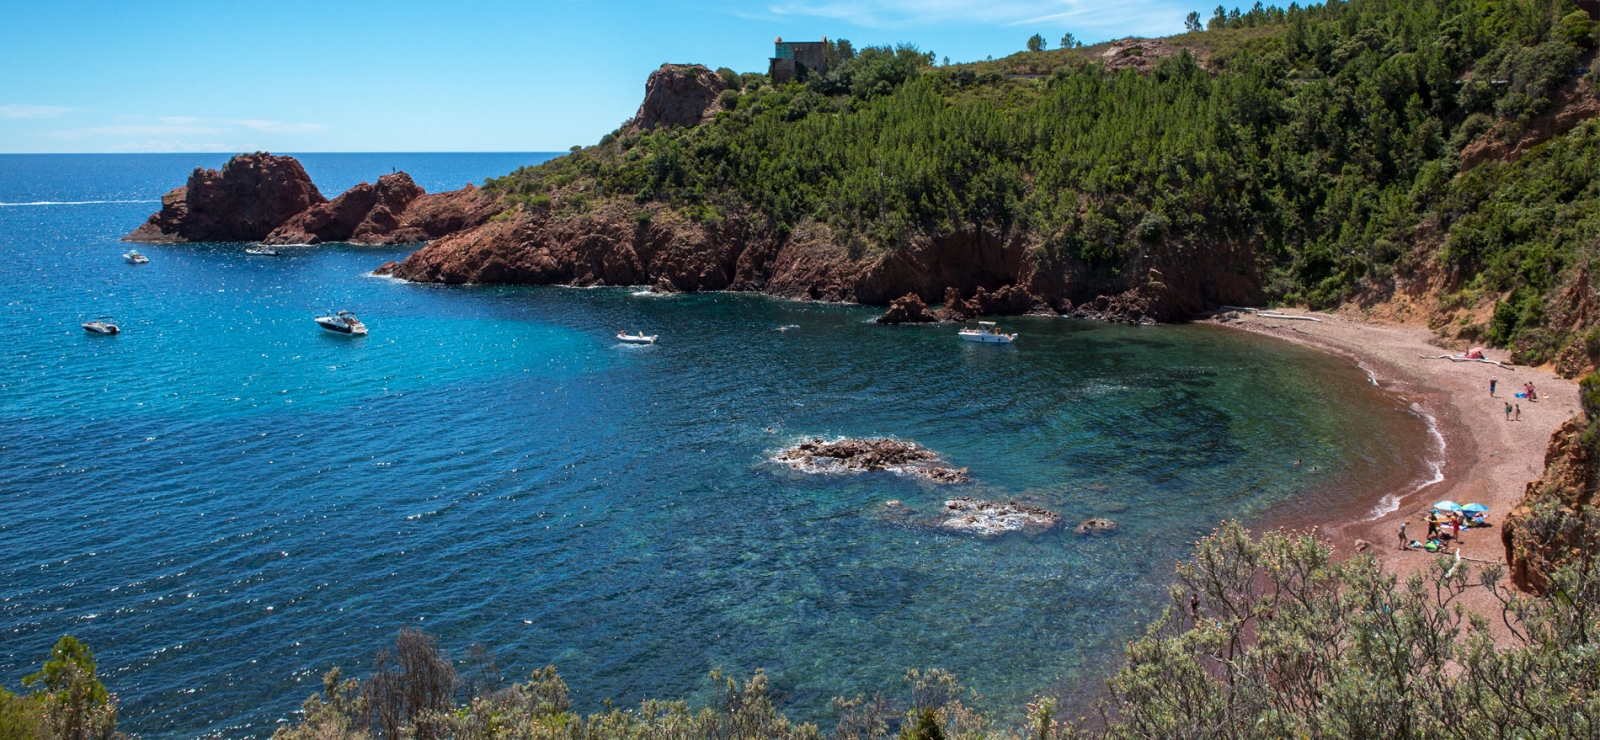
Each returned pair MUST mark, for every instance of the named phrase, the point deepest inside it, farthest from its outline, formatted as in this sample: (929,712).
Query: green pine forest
(1326,138)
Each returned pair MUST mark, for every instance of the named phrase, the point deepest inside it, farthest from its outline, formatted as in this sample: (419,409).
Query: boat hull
(987,338)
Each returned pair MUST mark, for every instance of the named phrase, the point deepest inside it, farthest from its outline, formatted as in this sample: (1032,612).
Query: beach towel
(1522,395)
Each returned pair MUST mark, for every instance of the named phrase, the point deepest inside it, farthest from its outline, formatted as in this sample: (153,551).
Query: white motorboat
(101,325)
(134,258)
(343,322)
(640,338)
(262,251)
(988,333)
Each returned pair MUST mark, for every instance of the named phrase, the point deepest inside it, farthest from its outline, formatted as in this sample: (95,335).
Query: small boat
(639,338)
(986,332)
(262,251)
(134,258)
(343,322)
(101,325)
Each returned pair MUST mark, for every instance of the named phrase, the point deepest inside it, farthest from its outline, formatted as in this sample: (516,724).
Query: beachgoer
(1508,411)
(1297,462)
(1492,382)
(1519,412)
(1433,527)
(1403,539)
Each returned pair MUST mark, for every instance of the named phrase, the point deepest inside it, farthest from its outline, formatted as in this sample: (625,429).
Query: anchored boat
(988,333)
(262,251)
(101,325)
(343,322)
(640,338)
(134,258)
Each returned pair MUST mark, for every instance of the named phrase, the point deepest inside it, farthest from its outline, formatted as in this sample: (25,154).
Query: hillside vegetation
(1327,139)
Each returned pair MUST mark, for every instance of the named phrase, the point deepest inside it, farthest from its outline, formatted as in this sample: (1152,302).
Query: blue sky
(412,76)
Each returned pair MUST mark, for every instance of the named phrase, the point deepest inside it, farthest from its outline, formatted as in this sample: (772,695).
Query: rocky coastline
(992,518)
(270,199)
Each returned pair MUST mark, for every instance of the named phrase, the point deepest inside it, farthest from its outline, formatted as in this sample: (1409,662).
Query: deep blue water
(225,501)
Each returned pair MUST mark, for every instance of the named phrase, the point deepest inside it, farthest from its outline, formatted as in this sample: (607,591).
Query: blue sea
(225,501)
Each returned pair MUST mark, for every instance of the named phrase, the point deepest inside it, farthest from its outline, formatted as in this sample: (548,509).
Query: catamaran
(986,332)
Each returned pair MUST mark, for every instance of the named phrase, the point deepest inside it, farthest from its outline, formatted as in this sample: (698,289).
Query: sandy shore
(1487,459)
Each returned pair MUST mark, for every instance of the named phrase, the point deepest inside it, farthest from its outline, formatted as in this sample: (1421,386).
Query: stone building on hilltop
(792,60)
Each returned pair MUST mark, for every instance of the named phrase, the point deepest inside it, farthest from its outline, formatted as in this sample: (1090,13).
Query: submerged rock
(865,455)
(989,518)
(1096,525)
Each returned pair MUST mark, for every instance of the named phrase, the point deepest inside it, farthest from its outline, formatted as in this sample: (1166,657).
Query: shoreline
(1485,459)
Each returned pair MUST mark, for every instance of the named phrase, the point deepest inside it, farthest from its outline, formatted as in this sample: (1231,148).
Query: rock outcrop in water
(261,197)
(989,518)
(249,197)
(908,309)
(1096,525)
(866,455)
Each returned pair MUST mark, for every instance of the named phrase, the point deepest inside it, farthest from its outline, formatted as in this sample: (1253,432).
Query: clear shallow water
(225,502)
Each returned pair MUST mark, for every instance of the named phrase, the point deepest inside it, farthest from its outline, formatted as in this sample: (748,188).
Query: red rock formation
(361,213)
(677,95)
(1534,547)
(245,201)
(907,309)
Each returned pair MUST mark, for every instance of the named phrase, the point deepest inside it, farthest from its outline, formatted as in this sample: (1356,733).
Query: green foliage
(1035,43)
(19,717)
(1068,41)
(1321,137)
(926,727)
(1293,643)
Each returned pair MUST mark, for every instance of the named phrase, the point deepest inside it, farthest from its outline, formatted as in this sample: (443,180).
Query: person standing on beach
(1492,383)
(1508,411)
(1519,412)
(1403,540)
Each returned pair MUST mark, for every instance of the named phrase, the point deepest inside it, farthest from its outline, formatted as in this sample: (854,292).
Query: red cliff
(245,201)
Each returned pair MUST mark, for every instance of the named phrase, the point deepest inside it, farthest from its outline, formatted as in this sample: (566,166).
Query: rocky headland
(271,199)
(867,455)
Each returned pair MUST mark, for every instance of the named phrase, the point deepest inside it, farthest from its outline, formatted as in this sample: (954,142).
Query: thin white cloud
(22,110)
(135,130)
(178,145)
(277,126)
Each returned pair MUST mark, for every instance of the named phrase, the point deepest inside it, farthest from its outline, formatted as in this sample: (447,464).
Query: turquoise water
(225,501)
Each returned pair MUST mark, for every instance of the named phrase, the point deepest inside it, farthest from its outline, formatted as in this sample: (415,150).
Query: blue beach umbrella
(1447,506)
(1475,509)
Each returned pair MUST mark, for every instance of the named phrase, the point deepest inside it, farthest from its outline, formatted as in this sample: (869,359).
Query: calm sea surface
(224,501)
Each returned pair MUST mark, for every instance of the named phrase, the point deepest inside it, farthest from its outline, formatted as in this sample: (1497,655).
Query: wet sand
(1487,459)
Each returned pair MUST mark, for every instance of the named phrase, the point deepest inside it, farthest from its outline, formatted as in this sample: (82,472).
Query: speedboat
(101,325)
(640,338)
(343,322)
(986,332)
(262,251)
(134,258)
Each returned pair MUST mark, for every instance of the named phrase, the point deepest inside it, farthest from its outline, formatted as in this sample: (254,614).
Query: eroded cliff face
(972,273)
(677,95)
(1535,540)
(261,197)
(249,197)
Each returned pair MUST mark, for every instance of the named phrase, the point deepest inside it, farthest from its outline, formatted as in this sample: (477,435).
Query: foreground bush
(69,701)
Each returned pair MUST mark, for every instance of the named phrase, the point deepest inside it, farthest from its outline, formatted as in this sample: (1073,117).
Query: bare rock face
(1009,300)
(1534,547)
(990,518)
(362,213)
(252,195)
(677,95)
(907,309)
(866,455)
